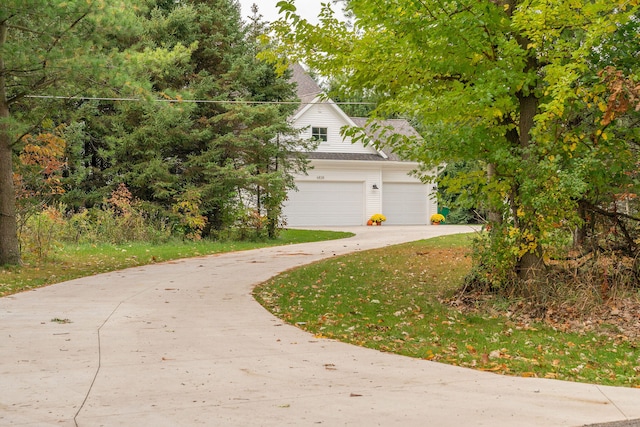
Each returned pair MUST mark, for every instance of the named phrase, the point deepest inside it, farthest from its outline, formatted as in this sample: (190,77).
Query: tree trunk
(580,233)
(529,267)
(530,264)
(9,245)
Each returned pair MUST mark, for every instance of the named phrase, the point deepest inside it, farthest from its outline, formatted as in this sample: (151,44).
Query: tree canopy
(542,94)
(164,102)
(45,47)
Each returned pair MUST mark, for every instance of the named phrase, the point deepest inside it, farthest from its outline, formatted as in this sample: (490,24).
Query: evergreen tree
(46,47)
(231,151)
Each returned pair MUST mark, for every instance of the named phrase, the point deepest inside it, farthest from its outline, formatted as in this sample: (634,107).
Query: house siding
(399,175)
(324,115)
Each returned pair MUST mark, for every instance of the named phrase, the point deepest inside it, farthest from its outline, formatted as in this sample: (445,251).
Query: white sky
(267,8)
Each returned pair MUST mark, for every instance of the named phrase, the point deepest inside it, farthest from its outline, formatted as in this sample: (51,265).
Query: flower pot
(369,222)
(435,223)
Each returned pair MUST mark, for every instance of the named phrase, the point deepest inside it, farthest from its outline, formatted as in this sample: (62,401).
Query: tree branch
(609,214)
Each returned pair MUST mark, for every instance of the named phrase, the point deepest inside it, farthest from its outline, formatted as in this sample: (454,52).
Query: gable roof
(310,92)
(307,89)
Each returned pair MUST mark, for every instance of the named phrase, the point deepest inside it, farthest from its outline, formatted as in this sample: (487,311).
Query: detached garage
(341,192)
(349,180)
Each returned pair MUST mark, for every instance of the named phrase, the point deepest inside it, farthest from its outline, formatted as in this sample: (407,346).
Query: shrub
(378,218)
(187,209)
(251,226)
(437,218)
(41,233)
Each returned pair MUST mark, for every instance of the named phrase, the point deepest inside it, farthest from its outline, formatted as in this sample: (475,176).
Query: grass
(391,299)
(73,261)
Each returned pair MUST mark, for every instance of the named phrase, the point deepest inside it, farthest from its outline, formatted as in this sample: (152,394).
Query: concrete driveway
(184,344)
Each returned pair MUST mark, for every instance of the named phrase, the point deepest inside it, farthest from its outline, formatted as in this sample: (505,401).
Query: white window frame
(319,133)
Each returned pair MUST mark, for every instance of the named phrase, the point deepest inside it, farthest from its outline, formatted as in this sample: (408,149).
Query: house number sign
(320,177)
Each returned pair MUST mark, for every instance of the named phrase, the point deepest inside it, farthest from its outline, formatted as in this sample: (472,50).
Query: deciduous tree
(503,82)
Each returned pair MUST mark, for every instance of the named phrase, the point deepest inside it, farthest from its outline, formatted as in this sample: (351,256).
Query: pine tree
(46,47)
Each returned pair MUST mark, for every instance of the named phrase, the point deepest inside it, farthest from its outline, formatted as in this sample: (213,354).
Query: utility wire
(196,101)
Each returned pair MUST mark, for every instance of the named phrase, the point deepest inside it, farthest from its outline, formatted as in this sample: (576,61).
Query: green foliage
(121,218)
(120,221)
(518,89)
(42,233)
(188,209)
(207,162)
(250,225)
(53,48)
(459,185)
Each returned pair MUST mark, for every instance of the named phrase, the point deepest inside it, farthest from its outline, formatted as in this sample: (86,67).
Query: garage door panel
(405,203)
(325,203)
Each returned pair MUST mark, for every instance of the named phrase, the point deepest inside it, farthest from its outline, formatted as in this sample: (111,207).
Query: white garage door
(405,204)
(325,203)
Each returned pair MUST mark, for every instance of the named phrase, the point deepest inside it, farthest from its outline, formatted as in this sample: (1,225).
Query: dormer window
(319,134)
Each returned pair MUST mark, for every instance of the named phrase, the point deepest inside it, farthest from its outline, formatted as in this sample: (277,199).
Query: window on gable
(319,134)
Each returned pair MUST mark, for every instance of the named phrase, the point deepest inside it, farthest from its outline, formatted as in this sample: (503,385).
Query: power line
(192,101)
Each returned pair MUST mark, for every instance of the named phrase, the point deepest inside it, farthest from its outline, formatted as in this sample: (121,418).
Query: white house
(348,181)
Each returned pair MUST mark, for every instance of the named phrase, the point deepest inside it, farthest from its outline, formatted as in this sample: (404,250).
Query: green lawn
(391,299)
(73,261)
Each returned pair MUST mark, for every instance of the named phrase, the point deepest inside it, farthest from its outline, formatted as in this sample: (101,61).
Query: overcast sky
(308,8)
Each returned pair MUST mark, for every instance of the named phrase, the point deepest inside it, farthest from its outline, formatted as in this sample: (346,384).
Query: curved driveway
(184,344)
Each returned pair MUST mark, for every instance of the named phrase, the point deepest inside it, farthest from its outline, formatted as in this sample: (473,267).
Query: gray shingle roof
(307,88)
(399,126)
